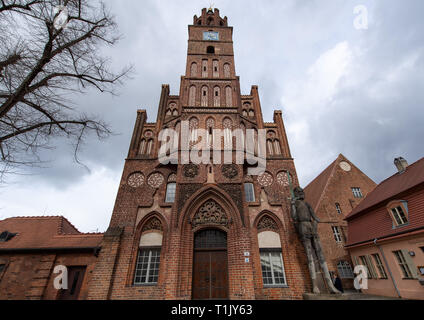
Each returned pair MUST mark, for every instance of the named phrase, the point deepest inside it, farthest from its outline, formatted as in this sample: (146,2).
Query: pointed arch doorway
(210,265)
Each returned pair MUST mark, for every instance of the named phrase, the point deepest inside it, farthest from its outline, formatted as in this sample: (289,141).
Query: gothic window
(192,96)
(210,50)
(142,146)
(168,112)
(245,113)
(217,96)
(228,133)
(272,264)
(175,113)
(210,126)
(251,113)
(205,96)
(249,191)
(148,258)
(227,71)
(193,70)
(149,147)
(270,147)
(204,68)
(210,21)
(277,148)
(194,126)
(243,130)
(215,69)
(229,96)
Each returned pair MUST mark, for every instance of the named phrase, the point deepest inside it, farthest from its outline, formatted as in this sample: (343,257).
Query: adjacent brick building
(333,195)
(188,231)
(386,234)
(30,249)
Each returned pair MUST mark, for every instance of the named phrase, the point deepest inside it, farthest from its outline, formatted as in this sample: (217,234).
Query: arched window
(205,97)
(345,270)
(149,147)
(171,188)
(217,97)
(251,113)
(209,21)
(272,263)
(148,258)
(227,70)
(194,125)
(210,50)
(277,148)
(192,96)
(175,113)
(193,69)
(228,133)
(204,68)
(142,146)
(215,69)
(270,147)
(245,113)
(229,96)
(210,126)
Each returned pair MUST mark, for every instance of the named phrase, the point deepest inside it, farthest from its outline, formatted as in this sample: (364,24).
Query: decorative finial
(211,7)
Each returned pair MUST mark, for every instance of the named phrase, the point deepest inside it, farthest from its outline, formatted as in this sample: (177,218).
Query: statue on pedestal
(306,224)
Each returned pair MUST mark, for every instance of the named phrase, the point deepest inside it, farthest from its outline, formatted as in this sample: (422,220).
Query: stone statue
(306,223)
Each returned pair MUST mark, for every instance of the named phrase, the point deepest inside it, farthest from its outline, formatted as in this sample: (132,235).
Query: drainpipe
(388,267)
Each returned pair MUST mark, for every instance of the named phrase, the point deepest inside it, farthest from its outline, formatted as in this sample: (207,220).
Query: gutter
(388,267)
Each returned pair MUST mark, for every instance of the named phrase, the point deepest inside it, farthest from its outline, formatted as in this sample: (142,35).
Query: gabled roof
(46,233)
(396,184)
(315,189)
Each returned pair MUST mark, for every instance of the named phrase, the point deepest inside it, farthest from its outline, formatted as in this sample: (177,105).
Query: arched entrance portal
(210,265)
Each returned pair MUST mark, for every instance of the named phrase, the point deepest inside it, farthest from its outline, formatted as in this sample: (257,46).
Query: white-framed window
(249,190)
(170,192)
(345,270)
(337,234)
(357,193)
(272,267)
(339,208)
(380,266)
(399,216)
(403,264)
(147,268)
(367,262)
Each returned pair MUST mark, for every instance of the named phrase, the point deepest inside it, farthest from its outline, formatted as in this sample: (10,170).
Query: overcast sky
(341,90)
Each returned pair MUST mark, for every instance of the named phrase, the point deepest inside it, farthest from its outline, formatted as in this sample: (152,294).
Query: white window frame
(345,270)
(269,252)
(149,263)
(169,198)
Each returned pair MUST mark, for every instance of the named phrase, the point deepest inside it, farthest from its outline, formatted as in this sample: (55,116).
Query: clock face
(345,166)
(210,36)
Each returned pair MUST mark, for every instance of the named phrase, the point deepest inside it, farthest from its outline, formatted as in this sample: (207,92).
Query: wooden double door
(210,265)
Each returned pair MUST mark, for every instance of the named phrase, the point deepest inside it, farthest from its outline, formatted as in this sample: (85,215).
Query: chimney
(401,164)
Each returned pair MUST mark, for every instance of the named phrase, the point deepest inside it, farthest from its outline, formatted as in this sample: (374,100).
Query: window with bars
(357,193)
(399,216)
(249,190)
(339,208)
(147,268)
(272,264)
(380,266)
(345,270)
(403,264)
(337,234)
(170,192)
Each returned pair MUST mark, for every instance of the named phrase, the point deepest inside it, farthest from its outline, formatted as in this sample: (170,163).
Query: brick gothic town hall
(203,231)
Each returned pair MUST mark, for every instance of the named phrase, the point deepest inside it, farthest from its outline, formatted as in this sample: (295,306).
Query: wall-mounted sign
(210,36)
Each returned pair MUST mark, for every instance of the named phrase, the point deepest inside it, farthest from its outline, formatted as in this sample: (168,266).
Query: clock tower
(210,230)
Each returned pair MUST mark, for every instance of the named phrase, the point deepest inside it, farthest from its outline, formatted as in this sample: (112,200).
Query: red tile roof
(396,184)
(46,233)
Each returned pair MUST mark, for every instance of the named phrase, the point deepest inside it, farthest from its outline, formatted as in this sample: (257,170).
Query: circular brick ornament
(266,179)
(283,179)
(136,180)
(155,180)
